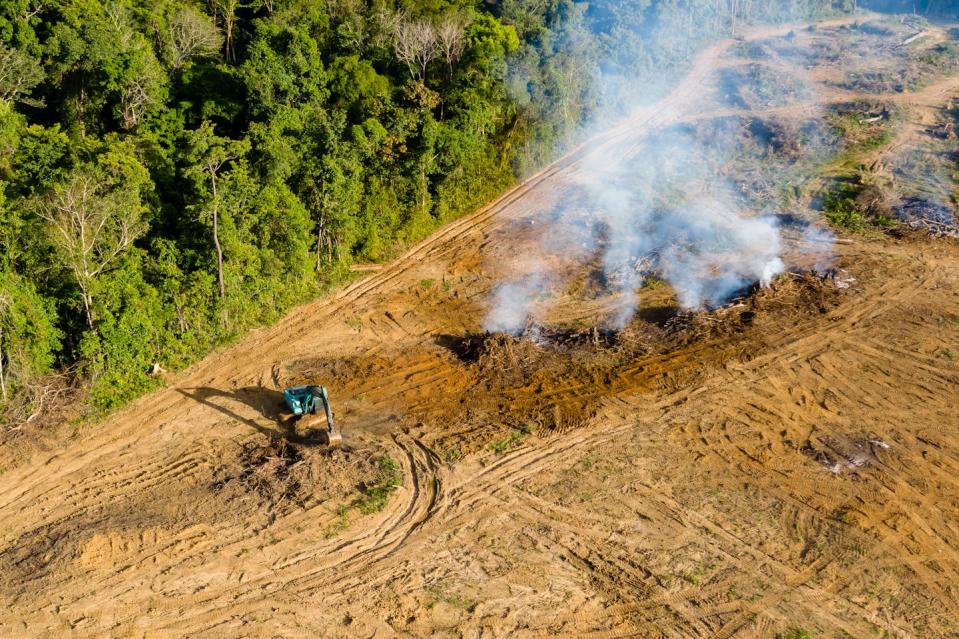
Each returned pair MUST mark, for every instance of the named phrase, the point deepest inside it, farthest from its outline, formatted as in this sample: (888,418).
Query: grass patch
(427,283)
(451,599)
(758,86)
(845,517)
(338,525)
(653,283)
(851,205)
(942,56)
(750,50)
(794,633)
(855,125)
(500,446)
(375,495)
(696,576)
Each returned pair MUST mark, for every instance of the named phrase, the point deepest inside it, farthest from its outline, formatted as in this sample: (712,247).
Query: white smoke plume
(658,211)
(659,204)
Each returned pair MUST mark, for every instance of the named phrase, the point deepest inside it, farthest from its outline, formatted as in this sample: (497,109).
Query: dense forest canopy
(174,172)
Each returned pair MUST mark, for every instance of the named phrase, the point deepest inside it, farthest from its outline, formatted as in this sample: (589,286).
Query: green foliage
(839,205)
(376,494)
(501,446)
(21,73)
(843,207)
(794,633)
(237,157)
(128,338)
(451,599)
(28,337)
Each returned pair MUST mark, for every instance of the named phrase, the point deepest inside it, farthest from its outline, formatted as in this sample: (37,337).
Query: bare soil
(789,460)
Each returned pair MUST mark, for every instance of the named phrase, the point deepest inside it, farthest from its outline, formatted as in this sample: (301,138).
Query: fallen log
(913,38)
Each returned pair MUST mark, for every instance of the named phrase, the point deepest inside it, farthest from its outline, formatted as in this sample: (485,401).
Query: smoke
(512,302)
(658,209)
(817,243)
(662,202)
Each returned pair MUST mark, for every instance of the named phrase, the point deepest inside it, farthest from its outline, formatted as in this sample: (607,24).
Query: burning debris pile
(513,358)
(706,252)
(531,380)
(524,351)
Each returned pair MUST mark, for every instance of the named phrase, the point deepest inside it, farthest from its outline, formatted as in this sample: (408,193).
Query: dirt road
(792,464)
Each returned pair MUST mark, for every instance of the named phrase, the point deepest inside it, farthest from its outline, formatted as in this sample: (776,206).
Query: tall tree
(415,44)
(92,220)
(225,12)
(451,39)
(209,156)
(19,73)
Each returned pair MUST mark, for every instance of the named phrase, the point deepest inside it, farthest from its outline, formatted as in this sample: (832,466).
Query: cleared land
(789,461)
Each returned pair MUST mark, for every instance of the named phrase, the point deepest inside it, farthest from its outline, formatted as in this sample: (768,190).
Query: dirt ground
(788,461)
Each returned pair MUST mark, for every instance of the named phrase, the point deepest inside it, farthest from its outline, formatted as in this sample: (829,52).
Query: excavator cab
(305,402)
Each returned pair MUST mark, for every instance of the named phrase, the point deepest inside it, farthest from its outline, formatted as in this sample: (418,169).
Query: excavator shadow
(267,402)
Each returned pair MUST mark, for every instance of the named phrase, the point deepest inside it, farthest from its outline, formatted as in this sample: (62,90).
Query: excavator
(304,403)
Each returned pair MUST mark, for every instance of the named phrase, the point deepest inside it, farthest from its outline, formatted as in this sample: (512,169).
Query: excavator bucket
(334,438)
(312,423)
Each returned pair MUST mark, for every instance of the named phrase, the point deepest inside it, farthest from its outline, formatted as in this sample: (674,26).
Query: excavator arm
(333,435)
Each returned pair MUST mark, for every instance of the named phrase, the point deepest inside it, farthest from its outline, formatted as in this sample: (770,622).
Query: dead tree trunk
(87,306)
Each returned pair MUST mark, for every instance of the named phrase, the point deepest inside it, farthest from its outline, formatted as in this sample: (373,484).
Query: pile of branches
(511,360)
(42,401)
(511,357)
(922,215)
(276,471)
(933,227)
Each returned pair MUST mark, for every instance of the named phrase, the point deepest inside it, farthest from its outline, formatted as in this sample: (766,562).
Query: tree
(415,45)
(28,337)
(19,73)
(451,39)
(193,35)
(284,70)
(103,65)
(209,154)
(92,220)
(139,92)
(225,11)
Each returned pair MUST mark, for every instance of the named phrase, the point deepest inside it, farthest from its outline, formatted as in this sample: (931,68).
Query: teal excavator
(305,402)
